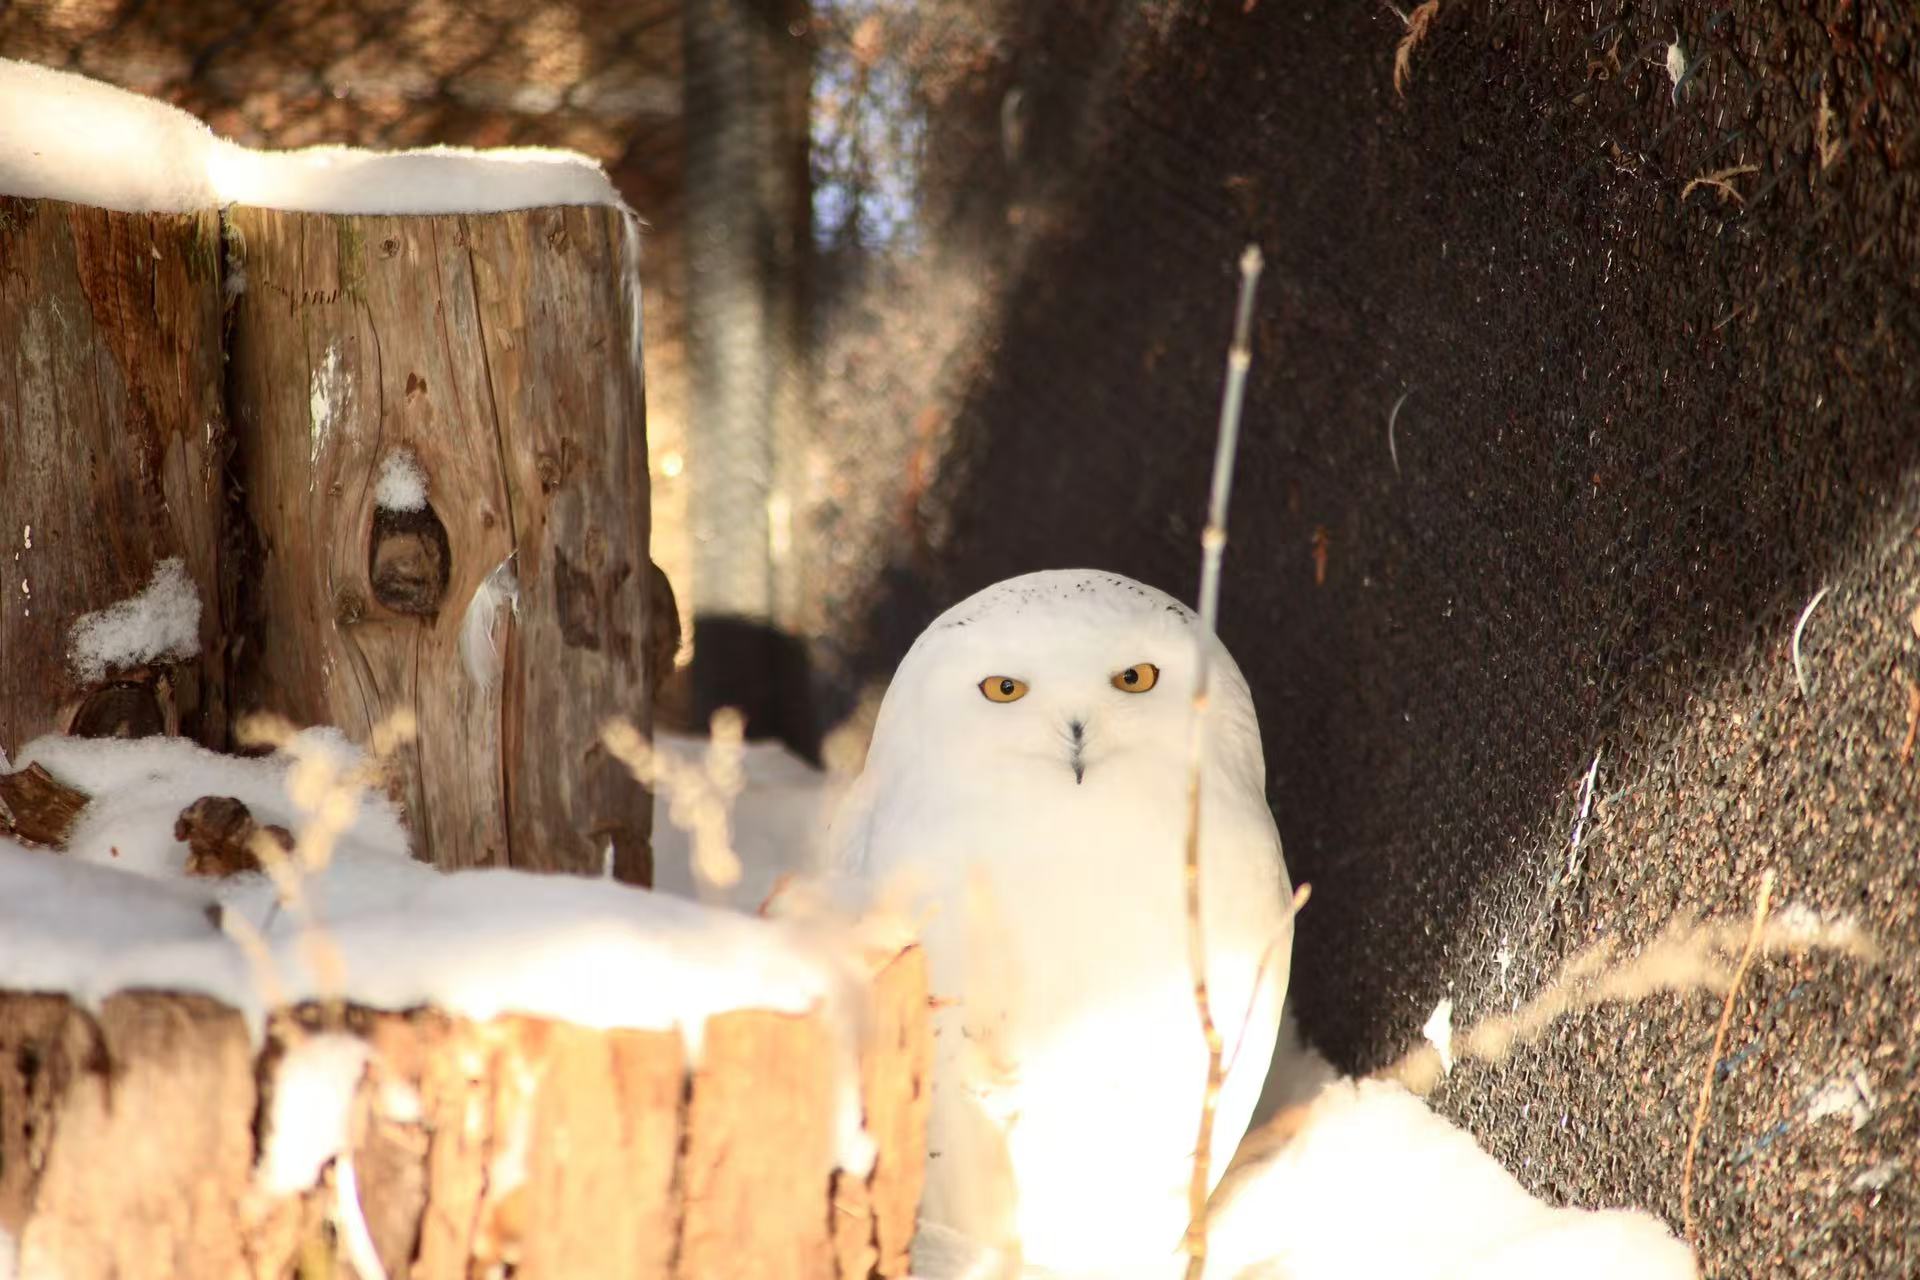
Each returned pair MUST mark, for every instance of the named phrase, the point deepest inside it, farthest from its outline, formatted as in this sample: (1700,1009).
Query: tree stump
(128,1144)
(435,411)
(112,443)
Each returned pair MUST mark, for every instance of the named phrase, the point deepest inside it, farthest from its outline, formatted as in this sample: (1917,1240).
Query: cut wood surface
(131,1144)
(112,441)
(498,355)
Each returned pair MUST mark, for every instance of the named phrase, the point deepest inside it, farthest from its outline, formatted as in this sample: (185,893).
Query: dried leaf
(1417,23)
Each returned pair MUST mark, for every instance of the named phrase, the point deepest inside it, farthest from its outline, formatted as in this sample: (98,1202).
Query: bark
(38,808)
(500,352)
(112,438)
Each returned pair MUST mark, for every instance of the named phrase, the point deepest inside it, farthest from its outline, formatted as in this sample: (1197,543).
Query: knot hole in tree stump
(126,707)
(409,560)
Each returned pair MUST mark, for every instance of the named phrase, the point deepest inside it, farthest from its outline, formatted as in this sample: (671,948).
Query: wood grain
(500,352)
(128,1144)
(112,440)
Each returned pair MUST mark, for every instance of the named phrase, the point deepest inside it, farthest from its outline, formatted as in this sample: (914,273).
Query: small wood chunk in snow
(38,808)
(219,833)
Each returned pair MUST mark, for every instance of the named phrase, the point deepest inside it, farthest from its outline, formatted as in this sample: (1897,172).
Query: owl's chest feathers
(1047,896)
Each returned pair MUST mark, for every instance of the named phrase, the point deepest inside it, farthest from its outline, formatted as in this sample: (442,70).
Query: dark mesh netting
(1657,353)
(1640,280)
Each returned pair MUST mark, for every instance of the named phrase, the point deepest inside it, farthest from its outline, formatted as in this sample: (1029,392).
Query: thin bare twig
(1580,822)
(1719,1047)
(1213,541)
(699,797)
(329,799)
(1799,669)
(1913,720)
(1393,450)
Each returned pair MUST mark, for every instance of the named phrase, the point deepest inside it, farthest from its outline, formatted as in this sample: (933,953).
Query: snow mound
(113,913)
(111,149)
(1372,1183)
(139,786)
(163,621)
(119,150)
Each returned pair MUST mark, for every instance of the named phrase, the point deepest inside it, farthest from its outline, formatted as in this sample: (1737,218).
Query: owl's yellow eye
(1003,689)
(1138,678)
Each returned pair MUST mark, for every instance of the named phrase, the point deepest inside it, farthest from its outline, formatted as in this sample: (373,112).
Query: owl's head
(1061,674)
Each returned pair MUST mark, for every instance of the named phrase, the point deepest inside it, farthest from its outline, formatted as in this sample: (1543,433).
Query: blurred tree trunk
(748,216)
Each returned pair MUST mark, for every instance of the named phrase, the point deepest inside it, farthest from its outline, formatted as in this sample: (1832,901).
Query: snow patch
(422,180)
(112,149)
(162,622)
(308,1118)
(1364,1180)
(1876,1177)
(1849,1094)
(402,485)
(120,150)
(1439,1033)
(328,389)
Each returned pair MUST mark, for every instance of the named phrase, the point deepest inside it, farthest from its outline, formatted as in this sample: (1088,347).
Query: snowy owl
(1026,789)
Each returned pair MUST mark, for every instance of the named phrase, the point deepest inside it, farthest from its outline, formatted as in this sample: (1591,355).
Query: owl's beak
(1078,730)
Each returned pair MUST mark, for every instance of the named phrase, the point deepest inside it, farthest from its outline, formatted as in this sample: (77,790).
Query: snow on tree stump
(112,436)
(443,436)
(141,1143)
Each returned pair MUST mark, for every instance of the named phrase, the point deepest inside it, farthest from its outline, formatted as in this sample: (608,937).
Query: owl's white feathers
(1046,864)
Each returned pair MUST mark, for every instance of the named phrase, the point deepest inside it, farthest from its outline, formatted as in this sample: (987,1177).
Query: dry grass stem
(1823,137)
(1719,1046)
(699,799)
(1913,720)
(329,797)
(1393,450)
(1721,181)
(1417,24)
(1687,955)
(1580,822)
(1213,542)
